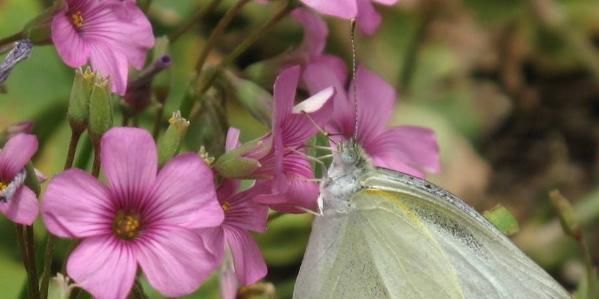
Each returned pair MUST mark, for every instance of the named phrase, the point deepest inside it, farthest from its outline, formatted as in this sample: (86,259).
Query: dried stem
(217,32)
(205,83)
(199,14)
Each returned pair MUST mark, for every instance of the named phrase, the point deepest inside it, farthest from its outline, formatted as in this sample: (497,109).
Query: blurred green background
(510,86)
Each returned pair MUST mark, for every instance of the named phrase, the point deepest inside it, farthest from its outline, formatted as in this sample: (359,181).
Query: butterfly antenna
(319,128)
(353,71)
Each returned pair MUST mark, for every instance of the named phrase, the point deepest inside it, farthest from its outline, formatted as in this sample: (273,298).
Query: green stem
(217,32)
(205,83)
(199,14)
(274,216)
(588,262)
(49,252)
(10,39)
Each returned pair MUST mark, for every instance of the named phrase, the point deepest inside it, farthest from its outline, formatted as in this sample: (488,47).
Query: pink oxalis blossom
(17,201)
(242,215)
(408,149)
(108,34)
(290,173)
(367,18)
(157,220)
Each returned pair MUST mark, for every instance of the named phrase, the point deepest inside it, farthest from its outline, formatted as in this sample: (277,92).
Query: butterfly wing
(373,253)
(487,264)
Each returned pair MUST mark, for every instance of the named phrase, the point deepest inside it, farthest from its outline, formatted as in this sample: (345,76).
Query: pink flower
(242,215)
(155,220)
(17,201)
(109,34)
(290,173)
(366,16)
(408,149)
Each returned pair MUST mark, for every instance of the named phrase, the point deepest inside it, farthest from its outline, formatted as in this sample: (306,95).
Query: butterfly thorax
(349,164)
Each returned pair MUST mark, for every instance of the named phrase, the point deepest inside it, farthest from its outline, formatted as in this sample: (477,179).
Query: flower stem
(10,39)
(199,14)
(49,251)
(96,165)
(218,31)
(205,83)
(28,262)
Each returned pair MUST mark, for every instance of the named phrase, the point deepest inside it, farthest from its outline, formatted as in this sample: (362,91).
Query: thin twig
(199,14)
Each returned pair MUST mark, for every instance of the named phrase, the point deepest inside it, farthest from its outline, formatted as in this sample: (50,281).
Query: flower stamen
(126,225)
(77,19)
(226,206)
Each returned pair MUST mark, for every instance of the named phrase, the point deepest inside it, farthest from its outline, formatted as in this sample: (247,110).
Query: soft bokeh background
(510,86)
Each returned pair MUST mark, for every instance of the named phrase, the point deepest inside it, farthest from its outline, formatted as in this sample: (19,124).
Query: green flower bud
(169,144)
(236,164)
(100,109)
(78,111)
(566,213)
(251,96)
(503,220)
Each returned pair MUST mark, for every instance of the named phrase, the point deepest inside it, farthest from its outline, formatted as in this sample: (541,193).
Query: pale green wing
(487,264)
(354,256)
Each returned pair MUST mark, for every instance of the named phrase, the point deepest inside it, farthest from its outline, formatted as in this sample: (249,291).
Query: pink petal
(229,284)
(22,208)
(345,9)
(376,101)
(184,195)
(129,161)
(17,152)
(249,263)
(315,31)
(103,266)
(121,26)
(227,188)
(69,45)
(284,95)
(232,141)
(407,149)
(76,205)
(110,64)
(299,127)
(175,261)
(368,18)
(318,76)
(244,213)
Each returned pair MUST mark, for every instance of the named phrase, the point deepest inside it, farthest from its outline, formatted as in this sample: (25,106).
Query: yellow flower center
(3,186)
(226,206)
(126,225)
(77,19)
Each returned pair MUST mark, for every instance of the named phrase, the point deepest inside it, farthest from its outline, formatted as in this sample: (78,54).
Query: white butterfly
(384,234)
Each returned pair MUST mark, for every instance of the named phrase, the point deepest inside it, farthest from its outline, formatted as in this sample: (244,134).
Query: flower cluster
(177,218)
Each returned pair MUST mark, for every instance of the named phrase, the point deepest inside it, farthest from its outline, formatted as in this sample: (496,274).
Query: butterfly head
(350,157)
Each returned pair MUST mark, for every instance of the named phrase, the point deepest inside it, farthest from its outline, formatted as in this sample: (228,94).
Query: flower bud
(251,96)
(503,220)
(139,92)
(60,287)
(241,162)
(100,109)
(78,111)
(170,143)
(566,213)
